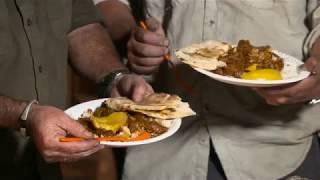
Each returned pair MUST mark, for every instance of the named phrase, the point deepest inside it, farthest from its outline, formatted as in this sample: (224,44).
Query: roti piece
(158,99)
(182,110)
(124,104)
(204,55)
(157,105)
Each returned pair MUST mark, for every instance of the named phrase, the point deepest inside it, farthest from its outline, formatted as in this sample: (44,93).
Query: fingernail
(282,100)
(166,51)
(166,43)
(88,134)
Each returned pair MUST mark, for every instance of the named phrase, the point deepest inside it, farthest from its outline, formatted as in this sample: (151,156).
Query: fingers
(76,129)
(59,156)
(144,65)
(141,90)
(293,93)
(144,60)
(140,69)
(132,86)
(312,65)
(145,46)
(154,25)
(76,147)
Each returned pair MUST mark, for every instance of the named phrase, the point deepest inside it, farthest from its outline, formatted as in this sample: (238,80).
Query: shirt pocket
(258,4)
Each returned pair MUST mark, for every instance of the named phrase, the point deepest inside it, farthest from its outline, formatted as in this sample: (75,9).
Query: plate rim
(176,124)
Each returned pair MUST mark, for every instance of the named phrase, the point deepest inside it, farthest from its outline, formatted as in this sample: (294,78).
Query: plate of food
(243,64)
(120,122)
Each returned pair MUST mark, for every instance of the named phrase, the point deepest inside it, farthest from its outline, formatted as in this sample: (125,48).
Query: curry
(245,57)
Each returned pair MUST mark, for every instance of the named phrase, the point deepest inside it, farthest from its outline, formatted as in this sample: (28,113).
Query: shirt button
(212,22)
(40,69)
(29,22)
(203,141)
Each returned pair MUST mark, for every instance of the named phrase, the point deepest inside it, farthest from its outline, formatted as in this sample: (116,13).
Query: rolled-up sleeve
(315,31)
(84,12)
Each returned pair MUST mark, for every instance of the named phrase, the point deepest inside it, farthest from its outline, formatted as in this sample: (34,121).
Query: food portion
(120,119)
(242,61)
(245,58)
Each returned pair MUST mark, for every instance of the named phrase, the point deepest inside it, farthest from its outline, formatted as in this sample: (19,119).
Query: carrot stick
(143,25)
(142,136)
(71,139)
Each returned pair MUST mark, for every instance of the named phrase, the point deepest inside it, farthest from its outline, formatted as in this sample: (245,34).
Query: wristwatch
(105,86)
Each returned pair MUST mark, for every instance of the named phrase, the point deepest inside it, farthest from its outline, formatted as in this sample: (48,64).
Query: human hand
(48,124)
(132,86)
(147,48)
(302,91)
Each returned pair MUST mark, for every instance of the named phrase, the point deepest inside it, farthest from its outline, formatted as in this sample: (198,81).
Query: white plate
(289,74)
(76,111)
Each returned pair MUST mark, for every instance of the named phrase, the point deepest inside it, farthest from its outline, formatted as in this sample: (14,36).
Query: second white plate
(290,74)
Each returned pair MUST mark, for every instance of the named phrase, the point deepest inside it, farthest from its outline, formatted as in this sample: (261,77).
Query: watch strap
(105,86)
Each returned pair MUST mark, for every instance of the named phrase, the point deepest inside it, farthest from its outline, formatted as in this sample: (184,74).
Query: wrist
(105,86)
(27,112)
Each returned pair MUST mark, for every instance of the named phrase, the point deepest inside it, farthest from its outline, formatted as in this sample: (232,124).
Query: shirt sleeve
(84,12)
(315,31)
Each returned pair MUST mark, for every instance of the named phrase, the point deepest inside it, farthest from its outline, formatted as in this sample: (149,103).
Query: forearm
(10,111)
(92,53)
(118,19)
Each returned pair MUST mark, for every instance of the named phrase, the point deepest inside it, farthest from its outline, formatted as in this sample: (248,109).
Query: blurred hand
(146,48)
(48,124)
(302,91)
(132,86)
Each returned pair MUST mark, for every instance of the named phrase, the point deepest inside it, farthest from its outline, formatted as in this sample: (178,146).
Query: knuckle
(144,50)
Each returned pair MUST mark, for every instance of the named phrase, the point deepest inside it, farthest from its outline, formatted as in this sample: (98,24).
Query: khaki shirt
(253,140)
(33,65)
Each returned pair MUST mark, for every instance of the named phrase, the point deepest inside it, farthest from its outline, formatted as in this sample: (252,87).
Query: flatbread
(204,55)
(158,99)
(182,110)
(123,104)
(157,105)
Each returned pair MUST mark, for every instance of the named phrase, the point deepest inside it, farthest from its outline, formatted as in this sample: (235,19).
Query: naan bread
(182,110)
(157,105)
(123,104)
(158,99)
(204,55)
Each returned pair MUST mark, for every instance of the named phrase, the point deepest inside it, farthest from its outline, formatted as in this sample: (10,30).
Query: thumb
(311,65)
(154,25)
(76,129)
